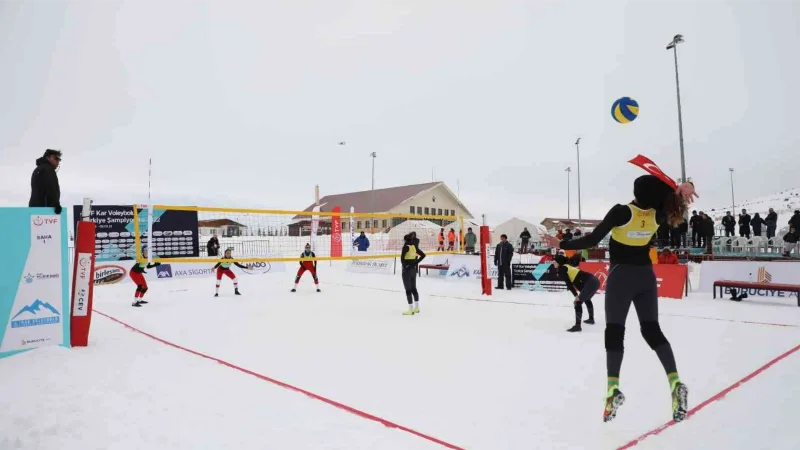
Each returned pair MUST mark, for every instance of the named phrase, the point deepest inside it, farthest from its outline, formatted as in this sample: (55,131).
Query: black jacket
(503,254)
(729,222)
(525,235)
(744,221)
(794,222)
(45,190)
(696,222)
(772,219)
(757,222)
(708,227)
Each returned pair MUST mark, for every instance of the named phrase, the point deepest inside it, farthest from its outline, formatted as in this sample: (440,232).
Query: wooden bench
(722,284)
(431,266)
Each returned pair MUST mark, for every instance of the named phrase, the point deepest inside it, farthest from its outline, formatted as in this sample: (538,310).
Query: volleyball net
(194,234)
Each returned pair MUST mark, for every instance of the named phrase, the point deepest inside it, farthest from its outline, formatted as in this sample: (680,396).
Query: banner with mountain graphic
(175,233)
(34,294)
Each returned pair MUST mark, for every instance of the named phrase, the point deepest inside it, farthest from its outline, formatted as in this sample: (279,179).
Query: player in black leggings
(631,279)
(410,257)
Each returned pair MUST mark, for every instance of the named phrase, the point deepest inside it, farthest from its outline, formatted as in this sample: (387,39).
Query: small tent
(512,228)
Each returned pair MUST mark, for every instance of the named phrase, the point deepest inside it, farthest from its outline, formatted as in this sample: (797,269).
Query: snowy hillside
(784,202)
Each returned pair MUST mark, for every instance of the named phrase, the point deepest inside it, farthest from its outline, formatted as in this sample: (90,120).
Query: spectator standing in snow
(708,231)
(772,223)
(794,222)
(45,190)
(470,239)
(757,222)
(744,224)
(729,223)
(525,237)
(212,247)
(695,222)
(362,242)
(451,240)
(567,235)
(502,259)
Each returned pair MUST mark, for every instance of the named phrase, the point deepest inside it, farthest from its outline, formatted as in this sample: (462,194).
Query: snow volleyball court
(343,369)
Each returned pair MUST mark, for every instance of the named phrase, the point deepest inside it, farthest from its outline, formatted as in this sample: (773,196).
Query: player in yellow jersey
(410,257)
(631,279)
(586,282)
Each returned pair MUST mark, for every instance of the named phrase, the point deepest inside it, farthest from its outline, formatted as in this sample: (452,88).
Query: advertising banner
(537,277)
(384,266)
(766,272)
(468,267)
(34,290)
(336,233)
(175,233)
(671,278)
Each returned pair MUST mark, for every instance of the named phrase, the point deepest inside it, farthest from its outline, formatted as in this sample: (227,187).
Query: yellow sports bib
(639,230)
(412,252)
(572,272)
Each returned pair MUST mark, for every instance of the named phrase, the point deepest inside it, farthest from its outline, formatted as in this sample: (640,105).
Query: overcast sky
(243,103)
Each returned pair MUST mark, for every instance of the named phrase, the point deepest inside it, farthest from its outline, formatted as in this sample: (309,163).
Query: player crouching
(224,268)
(586,282)
(137,275)
(310,266)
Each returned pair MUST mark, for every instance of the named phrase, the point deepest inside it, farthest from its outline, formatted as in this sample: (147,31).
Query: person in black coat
(744,224)
(45,191)
(502,259)
(696,222)
(683,229)
(772,223)
(212,246)
(708,231)
(757,222)
(730,224)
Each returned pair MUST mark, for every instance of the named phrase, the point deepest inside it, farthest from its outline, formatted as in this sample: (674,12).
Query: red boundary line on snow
(713,399)
(486,300)
(350,409)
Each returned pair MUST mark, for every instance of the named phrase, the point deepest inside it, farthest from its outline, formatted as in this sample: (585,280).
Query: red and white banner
(82,284)
(671,278)
(336,233)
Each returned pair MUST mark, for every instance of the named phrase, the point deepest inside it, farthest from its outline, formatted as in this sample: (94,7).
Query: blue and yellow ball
(625,110)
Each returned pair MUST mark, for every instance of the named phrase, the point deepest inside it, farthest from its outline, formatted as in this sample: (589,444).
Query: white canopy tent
(513,227)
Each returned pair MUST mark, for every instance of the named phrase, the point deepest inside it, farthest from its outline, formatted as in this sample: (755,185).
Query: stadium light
(677,39)
(578,150)
(568,170)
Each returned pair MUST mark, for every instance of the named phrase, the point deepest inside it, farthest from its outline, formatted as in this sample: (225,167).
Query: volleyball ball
(625,110)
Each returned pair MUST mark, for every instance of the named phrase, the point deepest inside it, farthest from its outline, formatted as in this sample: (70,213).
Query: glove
(58,209)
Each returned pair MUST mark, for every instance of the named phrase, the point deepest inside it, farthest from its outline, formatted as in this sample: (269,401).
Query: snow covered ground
(474,373)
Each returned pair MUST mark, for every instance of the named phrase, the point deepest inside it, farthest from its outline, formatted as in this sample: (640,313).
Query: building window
(412,210)
(358,224)
(384,223)
(419,210)
(375,223)
(440,211)
(427,210)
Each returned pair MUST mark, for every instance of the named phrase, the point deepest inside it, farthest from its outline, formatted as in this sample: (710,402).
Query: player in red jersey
(305,265)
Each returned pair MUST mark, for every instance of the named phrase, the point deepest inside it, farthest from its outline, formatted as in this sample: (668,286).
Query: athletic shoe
(679,401)
(614,399)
